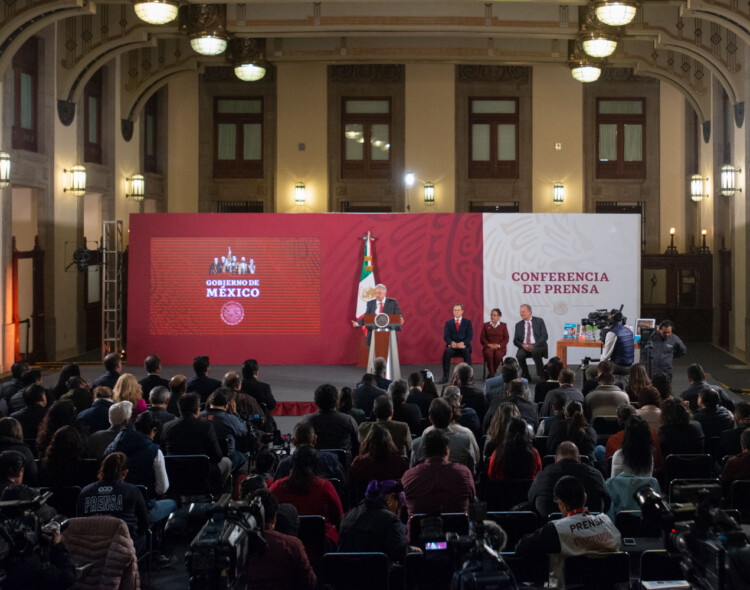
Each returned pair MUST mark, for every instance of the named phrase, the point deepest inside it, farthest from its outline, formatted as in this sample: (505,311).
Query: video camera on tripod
(602,320)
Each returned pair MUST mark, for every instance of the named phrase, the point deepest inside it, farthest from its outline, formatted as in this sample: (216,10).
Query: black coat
(371,527)
(260,391)
(203,386)
(151,381)
(541,493)
(191,436)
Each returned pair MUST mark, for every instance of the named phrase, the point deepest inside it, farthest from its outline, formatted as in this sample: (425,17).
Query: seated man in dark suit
(188,435)
(567,387)
(152,364)
(159,399)
(473,397)
(14,385)
(366,394)
(97,416)
(457,336)
(202,384)
(32,415)
(257,389)
(531,339)
(113,365)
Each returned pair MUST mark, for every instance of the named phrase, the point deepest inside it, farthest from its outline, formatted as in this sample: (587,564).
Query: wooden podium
(383,342)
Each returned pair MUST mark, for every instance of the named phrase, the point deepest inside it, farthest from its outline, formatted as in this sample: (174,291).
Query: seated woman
(575,429)
(127,388)
(61,464)
(346,405)
(11,439)
(378,457)
(59,414)
(650,400)
(374,525)
(111,496)
(636,456)
(463,415)
(309,493)
(516,457)
(680,433)
(499,424)
(638,379)
(494,340)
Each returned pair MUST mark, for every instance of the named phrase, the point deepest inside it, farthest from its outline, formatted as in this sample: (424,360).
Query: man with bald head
(568,462)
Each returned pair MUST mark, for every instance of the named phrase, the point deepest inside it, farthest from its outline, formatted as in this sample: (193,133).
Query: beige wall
(672,173)
(182,144)
(301,119)
(430,134)
(557,116)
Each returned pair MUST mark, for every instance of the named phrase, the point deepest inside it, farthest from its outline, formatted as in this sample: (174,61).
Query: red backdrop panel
(307,269)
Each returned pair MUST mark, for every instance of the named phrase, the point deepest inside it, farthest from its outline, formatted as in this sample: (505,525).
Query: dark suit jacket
(538,328)
(464,334)
(203,386)
(390,306)
(260,391)
(364,397)
(151,381)
(109,379)
(190,436)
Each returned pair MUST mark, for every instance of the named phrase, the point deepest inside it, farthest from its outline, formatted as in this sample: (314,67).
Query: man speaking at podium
(381,304)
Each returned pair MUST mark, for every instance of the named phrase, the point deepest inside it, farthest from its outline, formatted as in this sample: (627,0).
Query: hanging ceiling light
(599,42)
(205,24)
(584,70)
(247,55)
(616,13)
(157,12)
(209,43)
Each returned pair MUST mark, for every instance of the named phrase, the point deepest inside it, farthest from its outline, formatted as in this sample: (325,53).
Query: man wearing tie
(381,304)
(457,335)
(531,339)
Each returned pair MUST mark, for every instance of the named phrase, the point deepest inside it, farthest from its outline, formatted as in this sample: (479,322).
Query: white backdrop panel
(525,254)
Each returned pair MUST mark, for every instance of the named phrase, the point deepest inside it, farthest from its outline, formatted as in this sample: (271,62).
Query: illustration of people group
(230,265)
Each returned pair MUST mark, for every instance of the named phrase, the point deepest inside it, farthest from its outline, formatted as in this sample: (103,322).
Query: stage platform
(297,383)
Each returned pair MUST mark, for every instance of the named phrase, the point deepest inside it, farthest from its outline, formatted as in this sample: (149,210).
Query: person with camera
(660,350)
(619,348)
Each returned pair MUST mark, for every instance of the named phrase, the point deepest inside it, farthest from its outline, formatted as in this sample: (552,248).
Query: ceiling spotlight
(616,13)
(157,12)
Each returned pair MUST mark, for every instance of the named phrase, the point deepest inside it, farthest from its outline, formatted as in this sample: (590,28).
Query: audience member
(284,564)
(257,389)
(517,396)
(202,384)
(378,457)
(417,394)
(267,463)
(58,415)
(334,429)
(32,415)
(463,416)
(96,417)
(246,407)
(373,525)
(188,435)
(32,377)
(697,378)
(557,403)
(729,443)
(309,493)
(127,389)
(649,400)
(607,397)
(577,533)
(11,439)
(12,468)
(473,397)
(230,430)
(638,380)
(12,385)
(614,442)
(119,415)
(347,406)
(112,496)
(159,398)
(463,445)
(327,464)
(680,433)
(575,429)
(552,368)
(61,463)
(713,418)
(437,485)
(499,424)
(738,466)
(636,456)
(383,414)
(177,388)
(379,369)
(366,393)
(591,384)
(79,393)
(152,364)
(567,388)
(405,412)
(113,366)
(516,457)
(662,384)
(61,387)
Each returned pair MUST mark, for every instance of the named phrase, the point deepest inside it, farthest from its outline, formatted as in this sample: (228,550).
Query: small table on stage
(564,344)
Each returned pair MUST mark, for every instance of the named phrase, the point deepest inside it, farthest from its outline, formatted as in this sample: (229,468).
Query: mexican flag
(366,290)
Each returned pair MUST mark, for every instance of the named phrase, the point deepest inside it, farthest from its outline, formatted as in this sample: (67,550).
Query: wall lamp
(558,193)
(409,179)
(429,193)
(672,249)
(299,193)
(75,179)
(4,169)
(704,249)
(697,187)
(729,180)
(137,187)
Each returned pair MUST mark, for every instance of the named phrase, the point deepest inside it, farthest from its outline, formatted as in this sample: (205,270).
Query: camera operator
(284,566)
(49,566)
(619,348)
(661,349)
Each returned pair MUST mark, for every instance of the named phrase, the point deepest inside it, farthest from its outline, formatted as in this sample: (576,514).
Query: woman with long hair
(650,402)
(378,457)
(428,383)
(638,379)
(637,453)
(575,429)
(498,425)
(346,405)
(516,457)
(309,493)
(60,466)
(680,434)
(62,413)
(463,415)
(128,389)
(61,388)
